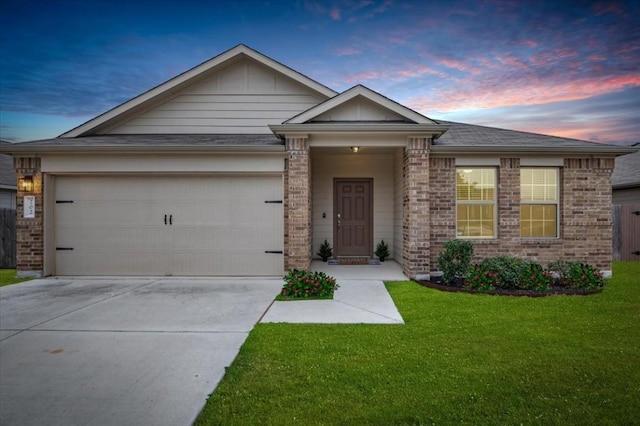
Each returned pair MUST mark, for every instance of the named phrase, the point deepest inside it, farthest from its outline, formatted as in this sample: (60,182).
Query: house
(626,207)
(243,166)
(8,188)
(626,179)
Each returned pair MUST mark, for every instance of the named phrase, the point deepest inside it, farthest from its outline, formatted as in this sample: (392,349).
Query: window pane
(475,220)
(475,185)
(538,220)
(539,184)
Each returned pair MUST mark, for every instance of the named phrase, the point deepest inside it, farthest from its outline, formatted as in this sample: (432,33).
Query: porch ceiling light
(26,183)
(355,148)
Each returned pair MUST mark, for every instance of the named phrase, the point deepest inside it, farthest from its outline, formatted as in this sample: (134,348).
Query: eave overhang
(433,130)
(140,149)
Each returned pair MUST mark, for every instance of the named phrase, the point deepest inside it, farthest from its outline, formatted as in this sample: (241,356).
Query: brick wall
(29,231)
(585,213)
(415,203)
(298,226)
(442,184)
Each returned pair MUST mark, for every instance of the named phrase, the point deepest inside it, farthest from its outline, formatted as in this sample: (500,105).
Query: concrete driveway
(120,352)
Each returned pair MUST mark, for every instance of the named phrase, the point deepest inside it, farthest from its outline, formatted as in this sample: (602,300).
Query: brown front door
(352,222)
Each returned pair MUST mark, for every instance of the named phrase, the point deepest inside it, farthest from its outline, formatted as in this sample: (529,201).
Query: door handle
(165,219)
(170,219)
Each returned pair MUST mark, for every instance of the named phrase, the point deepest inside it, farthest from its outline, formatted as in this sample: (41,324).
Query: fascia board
(187,76)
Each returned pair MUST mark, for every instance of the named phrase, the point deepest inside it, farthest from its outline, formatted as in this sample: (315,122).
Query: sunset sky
(565,68)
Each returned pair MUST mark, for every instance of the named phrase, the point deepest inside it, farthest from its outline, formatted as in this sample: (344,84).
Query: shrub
(534,277)
(576,275)
(325,251)
(455,260)
(479,278)
(306,284)
(382,250)
(507,269)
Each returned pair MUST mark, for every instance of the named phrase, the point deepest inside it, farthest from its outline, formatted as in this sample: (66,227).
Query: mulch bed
(458,287)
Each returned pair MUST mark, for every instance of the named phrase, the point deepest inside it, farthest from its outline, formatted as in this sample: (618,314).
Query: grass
(8,277)
(459,359)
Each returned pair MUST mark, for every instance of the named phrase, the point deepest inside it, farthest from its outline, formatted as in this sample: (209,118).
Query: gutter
(493,149)
(140,149)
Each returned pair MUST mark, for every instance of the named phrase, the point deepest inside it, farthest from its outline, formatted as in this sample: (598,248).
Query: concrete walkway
(361,298)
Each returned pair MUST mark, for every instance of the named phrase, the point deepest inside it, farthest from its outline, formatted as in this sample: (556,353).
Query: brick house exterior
(402,186)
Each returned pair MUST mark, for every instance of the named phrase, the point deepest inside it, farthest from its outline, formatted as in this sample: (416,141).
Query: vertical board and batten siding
(242,98)
(8,238)
(626,232)
(326,167)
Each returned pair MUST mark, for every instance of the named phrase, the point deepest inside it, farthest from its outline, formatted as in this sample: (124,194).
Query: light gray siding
(242,98)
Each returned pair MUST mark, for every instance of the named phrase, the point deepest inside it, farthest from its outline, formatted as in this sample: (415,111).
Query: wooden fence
(7,238)
(626,232)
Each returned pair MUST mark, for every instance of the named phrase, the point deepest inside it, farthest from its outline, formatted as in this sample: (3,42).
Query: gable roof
(359,90)
(626,173)
(166,89)
(405,120)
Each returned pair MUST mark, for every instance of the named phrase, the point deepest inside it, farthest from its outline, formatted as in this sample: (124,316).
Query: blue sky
(566,68)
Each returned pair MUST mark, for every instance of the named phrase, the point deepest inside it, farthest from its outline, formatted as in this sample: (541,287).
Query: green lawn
(459,359)
(8,276)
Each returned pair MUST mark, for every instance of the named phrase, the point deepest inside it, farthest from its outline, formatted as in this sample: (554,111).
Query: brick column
(29,231)
(415,202)
(508,203)
(297,204)
(442,188)
(586,218)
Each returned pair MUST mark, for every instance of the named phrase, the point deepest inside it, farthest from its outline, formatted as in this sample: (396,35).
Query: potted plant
(325,251)
(382,251)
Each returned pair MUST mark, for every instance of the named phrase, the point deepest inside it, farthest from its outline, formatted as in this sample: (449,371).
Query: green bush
(534,277)
(306,284)
(576,275)
(325,251)
(455,260)
(479,278)
(382,251)
(507,270)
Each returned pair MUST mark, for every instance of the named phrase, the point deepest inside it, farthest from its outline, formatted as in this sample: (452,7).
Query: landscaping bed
(511,276)
(554,290)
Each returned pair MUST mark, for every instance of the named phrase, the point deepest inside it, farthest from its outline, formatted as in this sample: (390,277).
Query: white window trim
(543,203)
(493,203)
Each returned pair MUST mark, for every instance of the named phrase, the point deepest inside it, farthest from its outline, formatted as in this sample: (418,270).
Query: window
(476,202)
(539,202)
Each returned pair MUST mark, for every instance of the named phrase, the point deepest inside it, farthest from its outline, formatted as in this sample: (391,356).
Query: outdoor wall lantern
(26,183)
(355,149)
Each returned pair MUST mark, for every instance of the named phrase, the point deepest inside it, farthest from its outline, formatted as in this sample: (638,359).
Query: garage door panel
(220,225)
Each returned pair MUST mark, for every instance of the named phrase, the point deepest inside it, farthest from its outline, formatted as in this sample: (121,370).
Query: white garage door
(169,225)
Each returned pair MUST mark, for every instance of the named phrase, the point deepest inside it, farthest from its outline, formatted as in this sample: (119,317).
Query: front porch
(385,271)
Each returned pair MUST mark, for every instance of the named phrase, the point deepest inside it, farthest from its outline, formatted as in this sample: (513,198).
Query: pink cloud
(394,74)
(335,14)
(514,93)
(348,51)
